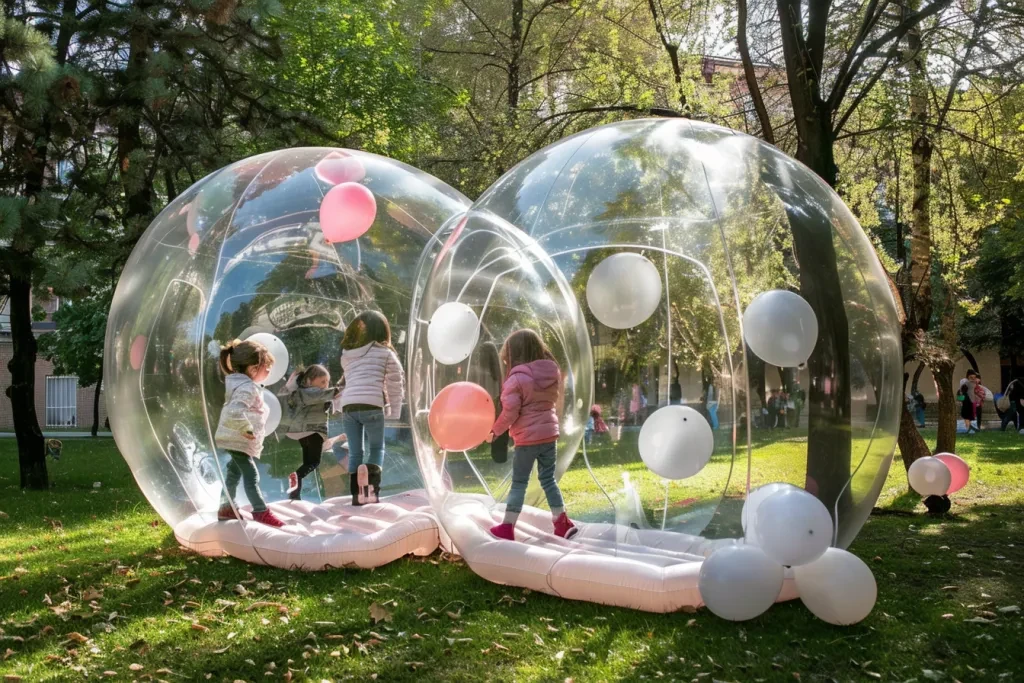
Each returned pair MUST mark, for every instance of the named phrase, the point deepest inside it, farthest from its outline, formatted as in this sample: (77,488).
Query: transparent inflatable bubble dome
(721,320)
(288,245)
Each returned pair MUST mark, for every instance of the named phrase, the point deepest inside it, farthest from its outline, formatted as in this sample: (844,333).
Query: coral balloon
(837,587)
(337,170)
(137,352)
(347,212)
(461,416)
(959,471)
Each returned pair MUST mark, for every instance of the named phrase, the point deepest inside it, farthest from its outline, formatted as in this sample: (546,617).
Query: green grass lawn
(93,583)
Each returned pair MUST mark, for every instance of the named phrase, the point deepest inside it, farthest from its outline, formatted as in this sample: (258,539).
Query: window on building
(61,401)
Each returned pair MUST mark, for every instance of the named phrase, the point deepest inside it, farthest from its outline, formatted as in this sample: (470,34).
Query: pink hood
(528,399)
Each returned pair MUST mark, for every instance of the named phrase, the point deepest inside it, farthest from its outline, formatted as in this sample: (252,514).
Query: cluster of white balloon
(785,526)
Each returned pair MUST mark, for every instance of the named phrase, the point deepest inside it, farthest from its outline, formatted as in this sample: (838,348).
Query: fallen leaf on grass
(950,588)
(499,646)
(91,594)
(8,654)
(241,590)
(537,639)
(196,626)
(454,616)
(221,650)
(978,620)
(262,603)
(11,678)
(135,667)
(379,614)
(1009,609)
(77,637)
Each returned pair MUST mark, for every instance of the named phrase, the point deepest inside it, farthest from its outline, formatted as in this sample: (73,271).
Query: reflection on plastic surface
(240,253)
(722,217)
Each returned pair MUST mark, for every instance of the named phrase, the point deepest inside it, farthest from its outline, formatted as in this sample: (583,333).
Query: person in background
(675,389)
(799,398)
(1014,403)
(711,399)
(978,397)
(965,396)
(773,409)
(919,407)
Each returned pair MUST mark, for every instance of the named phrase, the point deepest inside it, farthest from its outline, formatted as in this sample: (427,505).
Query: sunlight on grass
(90,561)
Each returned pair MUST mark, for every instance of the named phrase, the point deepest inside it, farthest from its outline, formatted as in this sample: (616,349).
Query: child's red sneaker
(267,517)
(226,512)
(564,526)
(506,532)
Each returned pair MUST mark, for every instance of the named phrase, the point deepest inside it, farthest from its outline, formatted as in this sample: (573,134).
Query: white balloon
(837,587)
(453,332)
(624,290)
(676,442)
(929,476)
(793,527)
(278,350)
(274,412)
(781,328)
(748,514)
(739,582)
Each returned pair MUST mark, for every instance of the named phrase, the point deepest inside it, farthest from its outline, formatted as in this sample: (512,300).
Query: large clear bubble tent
(251,250)
(697,288)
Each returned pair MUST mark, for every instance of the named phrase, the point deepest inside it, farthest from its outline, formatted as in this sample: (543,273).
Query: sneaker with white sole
(294,486)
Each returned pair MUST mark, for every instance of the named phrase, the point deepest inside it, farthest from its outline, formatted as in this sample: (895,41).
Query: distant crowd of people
(971,397)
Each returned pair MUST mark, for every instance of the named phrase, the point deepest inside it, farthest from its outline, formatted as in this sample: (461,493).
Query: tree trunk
(138,191)
(942,372)
(515,39)
(917,378)
(96,403)
(912,445)
(31,449)
(673,53)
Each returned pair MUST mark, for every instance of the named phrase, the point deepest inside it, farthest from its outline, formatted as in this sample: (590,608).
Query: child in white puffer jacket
(373,383)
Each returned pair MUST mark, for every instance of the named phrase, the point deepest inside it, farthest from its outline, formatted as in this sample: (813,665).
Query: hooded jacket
(307,411)
(373,376)
(528,399)
(244,412)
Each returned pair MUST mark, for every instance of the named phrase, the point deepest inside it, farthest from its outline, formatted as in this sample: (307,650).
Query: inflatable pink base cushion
(320,536)
(610,564)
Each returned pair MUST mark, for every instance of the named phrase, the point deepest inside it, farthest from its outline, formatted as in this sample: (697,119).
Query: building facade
(61,404)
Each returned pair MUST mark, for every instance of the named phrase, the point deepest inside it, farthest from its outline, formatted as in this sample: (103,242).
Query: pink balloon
(346,212)
(461,416)
(137,352)
(959,470)
(193,244)
(337,170)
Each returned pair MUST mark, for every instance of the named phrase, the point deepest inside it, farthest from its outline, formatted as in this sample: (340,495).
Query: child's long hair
(524,346)
(241,356)
(366,328)
(311,374)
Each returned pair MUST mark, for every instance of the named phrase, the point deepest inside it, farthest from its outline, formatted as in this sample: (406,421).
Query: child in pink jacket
(529,399)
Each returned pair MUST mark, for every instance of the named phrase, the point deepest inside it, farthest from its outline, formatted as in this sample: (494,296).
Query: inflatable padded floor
(320,536)
(645,569)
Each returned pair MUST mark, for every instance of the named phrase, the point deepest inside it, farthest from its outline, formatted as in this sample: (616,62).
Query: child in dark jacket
(530,395)
(308,401)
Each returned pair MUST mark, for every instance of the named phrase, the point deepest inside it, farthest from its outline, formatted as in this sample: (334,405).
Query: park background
(910,109)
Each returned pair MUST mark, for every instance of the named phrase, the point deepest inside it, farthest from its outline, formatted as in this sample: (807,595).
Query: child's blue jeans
(522,465)
(370,423)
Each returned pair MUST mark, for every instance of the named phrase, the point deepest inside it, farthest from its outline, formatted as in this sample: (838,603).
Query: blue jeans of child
(522,465)
(242,466)
(371,424)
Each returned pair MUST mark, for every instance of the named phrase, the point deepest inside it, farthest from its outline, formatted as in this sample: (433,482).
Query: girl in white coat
(374,384)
